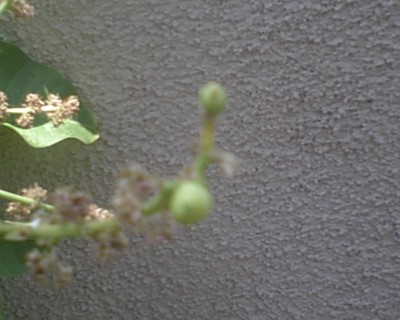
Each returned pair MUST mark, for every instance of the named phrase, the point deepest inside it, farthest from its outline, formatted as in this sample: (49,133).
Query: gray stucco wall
(309,230)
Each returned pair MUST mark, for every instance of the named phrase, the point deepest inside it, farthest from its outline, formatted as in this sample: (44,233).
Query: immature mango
(213,98)
(190,203)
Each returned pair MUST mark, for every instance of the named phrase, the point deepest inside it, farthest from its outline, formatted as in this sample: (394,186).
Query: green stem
(47,108)
(160,201)
(200,165)
(56,232)
(207,134)
(24,200)
(203,160)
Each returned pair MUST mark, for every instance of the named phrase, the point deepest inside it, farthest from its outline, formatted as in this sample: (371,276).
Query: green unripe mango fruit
(213,98)
(191,202)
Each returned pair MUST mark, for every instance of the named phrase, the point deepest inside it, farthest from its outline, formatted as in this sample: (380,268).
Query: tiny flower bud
(190,202)
(21,9)
(25,120)
(213,98)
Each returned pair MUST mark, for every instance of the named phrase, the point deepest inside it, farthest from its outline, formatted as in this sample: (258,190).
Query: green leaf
(4,5)
(46,135)
(12,257)
(19,75)
(1,309)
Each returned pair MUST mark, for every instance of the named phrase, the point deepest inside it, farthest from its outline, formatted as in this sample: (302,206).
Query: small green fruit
(190,203)
(213,98)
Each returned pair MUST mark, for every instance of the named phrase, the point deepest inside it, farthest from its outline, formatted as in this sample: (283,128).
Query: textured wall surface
(309,230)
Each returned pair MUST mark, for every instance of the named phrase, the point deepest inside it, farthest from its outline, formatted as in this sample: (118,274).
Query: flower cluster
(22,212)
(108,243)
(71,205)
(134,187)
(46,269)
(54,107)
(21,9)
(63,110)
(97,213)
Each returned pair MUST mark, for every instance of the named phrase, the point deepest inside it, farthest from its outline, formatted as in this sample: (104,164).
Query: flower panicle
(150,205)
(20,9)
(72,210)
(54,107)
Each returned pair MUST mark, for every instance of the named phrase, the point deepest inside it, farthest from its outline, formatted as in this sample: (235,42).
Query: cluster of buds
(96,213)
(21,9)
(68,209)
(108,243)
(70,205)
(134,187)
(54,107)
(22,212)
(46,269)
